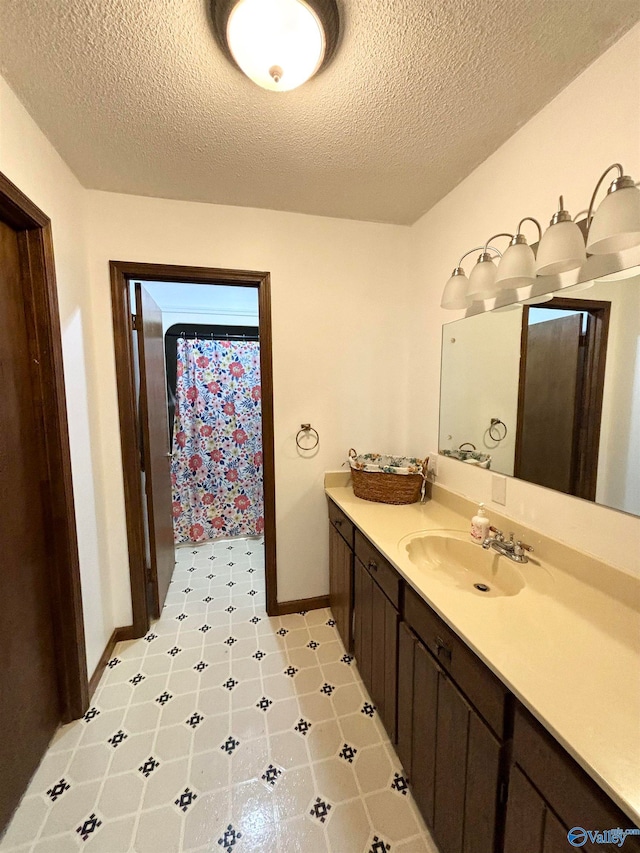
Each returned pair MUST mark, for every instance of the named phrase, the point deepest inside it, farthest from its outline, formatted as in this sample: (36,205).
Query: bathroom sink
(450,556)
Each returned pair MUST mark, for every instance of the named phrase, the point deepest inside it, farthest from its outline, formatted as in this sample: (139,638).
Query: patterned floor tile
(223,729)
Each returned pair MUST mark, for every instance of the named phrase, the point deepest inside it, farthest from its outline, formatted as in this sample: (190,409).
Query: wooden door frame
(122,273)
(595,357)
(37,264)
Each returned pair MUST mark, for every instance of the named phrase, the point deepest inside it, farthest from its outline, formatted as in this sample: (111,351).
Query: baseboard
(119,635)
(286,607)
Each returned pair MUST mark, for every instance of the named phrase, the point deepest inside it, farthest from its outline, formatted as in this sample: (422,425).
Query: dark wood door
(341,585)
(547,416)
(30,707)
(155,446)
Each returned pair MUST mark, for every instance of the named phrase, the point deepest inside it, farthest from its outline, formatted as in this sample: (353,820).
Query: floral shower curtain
(216,470)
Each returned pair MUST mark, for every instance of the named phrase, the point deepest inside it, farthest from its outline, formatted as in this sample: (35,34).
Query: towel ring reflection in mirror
(307,431)
(497,429)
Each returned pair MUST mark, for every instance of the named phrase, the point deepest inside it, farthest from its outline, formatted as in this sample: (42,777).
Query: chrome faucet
(513,550)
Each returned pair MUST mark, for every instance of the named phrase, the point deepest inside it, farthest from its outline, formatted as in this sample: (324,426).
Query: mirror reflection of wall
(564,378)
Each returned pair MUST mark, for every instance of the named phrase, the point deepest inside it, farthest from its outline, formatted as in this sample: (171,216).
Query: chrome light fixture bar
(562,260)
(279,44)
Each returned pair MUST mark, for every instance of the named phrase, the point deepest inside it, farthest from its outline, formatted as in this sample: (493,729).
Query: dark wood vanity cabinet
(376,619)
(549,794)
(341,533)
(487,777)
(454,759)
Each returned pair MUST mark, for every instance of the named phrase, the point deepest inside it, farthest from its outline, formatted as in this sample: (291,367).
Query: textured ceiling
(137,97)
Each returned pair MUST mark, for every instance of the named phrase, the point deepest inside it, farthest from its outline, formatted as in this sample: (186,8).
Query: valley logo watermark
(578,836)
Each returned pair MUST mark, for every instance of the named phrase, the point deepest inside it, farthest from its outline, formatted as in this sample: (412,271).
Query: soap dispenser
(480,525)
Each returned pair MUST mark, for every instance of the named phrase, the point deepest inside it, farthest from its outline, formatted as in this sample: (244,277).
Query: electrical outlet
(498,489)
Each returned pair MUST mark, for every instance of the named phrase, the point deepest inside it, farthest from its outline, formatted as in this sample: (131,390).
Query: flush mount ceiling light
(279,44)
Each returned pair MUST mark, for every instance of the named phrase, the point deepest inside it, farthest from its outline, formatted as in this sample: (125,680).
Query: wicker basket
(384,486)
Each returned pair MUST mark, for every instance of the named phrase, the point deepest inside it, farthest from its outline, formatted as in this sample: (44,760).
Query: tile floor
(223,730)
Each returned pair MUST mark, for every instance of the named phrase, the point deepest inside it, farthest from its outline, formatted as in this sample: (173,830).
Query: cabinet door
(555,835)
(451,770)
(362,605)
(384,658)
(341,585)
(525,816)
(467,776)
(424,725)
(482,810)
(406,652)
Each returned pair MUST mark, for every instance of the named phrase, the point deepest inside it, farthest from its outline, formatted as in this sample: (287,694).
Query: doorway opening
(561,386)
(196,414)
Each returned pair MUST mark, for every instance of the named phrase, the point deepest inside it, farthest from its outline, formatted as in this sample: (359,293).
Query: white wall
(594,122)
(339,359)
(28,160)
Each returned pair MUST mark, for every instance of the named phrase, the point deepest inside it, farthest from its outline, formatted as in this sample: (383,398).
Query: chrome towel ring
(307,431)
(495,431)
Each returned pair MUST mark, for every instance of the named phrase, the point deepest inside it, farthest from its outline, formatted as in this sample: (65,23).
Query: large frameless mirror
(550,392)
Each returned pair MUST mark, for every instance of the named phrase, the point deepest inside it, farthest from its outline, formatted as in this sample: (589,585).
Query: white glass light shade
(616,223)
(482,281)
(454,295)
(517,267)
(561,249)
(276,38)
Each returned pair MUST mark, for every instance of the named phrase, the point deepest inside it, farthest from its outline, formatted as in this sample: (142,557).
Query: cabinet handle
(373,566)
(337,522)
(442,650)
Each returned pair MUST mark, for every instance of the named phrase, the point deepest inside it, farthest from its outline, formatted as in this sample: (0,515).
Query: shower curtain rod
(220,336)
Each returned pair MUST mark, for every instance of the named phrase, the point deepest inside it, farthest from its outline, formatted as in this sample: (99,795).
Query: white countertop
(567,645)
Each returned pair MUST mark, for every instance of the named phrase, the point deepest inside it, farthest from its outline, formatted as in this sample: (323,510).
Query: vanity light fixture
(279,44)
(456,291)
(562,246)
(517,268)
(482,281)
(615,226)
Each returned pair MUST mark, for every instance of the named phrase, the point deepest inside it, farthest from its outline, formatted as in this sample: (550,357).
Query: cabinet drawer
(486,692)
(379,568)
(342,524)
(568,789)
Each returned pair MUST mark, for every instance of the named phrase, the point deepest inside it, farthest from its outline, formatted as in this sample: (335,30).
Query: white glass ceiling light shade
(454,295)
(279,44)
(616,224)
(517,267)
(562,245)
(483,279)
